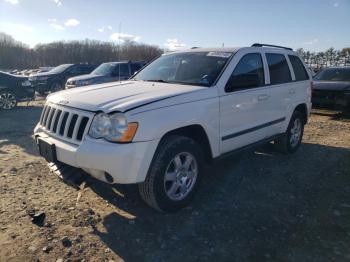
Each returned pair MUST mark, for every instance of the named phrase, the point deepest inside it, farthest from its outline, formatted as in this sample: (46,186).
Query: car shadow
(333,114)
(258,205)
(17,127)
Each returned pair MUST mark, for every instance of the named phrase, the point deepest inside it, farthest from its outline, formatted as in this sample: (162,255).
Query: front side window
(74,70)
(188,68)
(279,70)
(121,70)
(60,68)
(299,69)
(249,73)
(104,69)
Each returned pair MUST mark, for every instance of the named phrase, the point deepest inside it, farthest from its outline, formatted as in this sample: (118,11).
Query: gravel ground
(256,206)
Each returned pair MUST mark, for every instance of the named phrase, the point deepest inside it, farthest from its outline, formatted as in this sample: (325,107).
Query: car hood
(43,74)
(119,96)
(331,85)
(85,77)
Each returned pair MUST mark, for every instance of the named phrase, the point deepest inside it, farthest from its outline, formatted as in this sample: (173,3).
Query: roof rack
(277,46)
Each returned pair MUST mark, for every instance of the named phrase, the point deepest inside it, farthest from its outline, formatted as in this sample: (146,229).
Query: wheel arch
(198,134)
(302,108)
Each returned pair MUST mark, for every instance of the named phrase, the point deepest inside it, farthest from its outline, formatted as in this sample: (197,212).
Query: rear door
(280,80)
(300,90)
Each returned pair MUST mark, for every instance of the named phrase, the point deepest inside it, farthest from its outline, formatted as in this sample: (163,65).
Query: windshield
(334,74)
(191,68)
(104,69)
(60,68)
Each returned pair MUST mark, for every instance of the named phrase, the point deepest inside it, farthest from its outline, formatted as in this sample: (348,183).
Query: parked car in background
(106,72)
(43,69)
(311,70)
(55,79)
(183,109)
(14,89)
(332,87)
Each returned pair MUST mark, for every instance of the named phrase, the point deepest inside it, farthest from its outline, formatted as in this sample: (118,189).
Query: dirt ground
(256,206)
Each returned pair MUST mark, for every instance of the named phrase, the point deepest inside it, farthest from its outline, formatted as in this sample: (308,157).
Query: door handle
(263,97)
(292,91)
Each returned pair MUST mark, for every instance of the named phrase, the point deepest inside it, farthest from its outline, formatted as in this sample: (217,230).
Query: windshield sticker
(220,54)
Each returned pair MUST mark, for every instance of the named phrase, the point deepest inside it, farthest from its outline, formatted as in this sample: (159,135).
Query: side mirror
(242,81)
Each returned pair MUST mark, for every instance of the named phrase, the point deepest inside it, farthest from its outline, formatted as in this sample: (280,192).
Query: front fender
(155,123)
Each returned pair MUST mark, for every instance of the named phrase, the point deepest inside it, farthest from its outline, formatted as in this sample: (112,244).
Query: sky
(311,24)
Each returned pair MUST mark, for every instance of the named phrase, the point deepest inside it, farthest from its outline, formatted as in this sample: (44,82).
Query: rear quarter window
(279,69)
(298,67)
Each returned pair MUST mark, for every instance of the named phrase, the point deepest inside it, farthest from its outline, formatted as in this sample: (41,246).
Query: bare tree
(15,55)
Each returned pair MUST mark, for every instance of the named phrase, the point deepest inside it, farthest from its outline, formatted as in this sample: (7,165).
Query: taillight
(309,90)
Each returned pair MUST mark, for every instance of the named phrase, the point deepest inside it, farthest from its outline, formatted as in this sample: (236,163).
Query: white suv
(182,110)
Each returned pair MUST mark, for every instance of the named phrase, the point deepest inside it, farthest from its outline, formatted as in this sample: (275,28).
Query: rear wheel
(8,100)
(291,140)
(173,175)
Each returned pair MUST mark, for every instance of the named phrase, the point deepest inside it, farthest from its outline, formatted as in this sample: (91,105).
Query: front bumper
(125,163)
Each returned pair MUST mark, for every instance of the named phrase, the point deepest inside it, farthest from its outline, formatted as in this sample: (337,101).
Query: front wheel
(8,100)
(291,140)
(174,174)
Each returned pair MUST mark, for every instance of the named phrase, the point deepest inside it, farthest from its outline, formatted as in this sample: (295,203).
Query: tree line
(16,55)
(330,57)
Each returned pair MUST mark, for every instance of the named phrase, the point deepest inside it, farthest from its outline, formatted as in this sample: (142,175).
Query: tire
(174,174)
(291,140)
(8,100)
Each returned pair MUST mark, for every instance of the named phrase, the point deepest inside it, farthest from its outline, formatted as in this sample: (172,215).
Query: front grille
(65,123)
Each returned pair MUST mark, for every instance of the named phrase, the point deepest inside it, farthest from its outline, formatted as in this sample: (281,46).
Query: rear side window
(88,69)
(279,70)
(249,73)
(74,70)
(299,69)
(134,68)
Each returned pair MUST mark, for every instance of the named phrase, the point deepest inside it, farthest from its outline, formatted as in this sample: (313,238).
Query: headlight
(26,83)
(113,127)
(43,78)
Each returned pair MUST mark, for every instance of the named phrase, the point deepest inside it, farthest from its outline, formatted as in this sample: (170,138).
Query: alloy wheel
(7,100)
(180,176)
(295,132)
